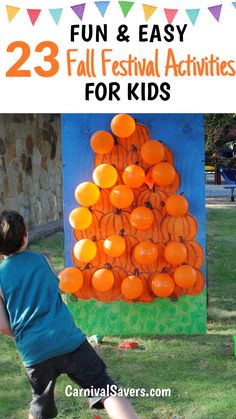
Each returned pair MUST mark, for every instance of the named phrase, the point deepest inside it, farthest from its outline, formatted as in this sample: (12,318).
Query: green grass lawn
(199,370)
(221,256)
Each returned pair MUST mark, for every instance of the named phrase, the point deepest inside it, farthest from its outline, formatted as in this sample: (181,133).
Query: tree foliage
(220,130)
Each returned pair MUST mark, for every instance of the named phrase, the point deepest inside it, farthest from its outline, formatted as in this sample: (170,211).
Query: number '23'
(16,71)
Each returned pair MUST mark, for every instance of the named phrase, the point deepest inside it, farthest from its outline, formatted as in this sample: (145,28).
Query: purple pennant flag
(79,10)
(216,11)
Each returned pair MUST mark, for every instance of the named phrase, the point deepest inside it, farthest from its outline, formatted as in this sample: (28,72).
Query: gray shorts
(83,366)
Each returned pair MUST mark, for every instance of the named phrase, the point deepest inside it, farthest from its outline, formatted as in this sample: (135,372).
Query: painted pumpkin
(175,228)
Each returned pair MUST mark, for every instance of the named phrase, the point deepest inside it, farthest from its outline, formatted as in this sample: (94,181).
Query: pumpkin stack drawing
(135,239)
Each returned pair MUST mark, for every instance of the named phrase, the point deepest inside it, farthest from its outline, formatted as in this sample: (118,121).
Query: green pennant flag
(126,6)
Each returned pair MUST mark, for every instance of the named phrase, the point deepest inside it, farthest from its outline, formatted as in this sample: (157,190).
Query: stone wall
(30,166)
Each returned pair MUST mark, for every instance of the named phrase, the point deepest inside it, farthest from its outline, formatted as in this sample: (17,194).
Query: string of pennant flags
(125,6)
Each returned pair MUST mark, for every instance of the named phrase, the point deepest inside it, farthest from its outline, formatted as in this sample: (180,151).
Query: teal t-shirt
(41,322)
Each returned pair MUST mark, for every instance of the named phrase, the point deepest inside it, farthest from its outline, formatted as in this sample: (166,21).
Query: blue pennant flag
(193,15)
(102,6)
(56,14)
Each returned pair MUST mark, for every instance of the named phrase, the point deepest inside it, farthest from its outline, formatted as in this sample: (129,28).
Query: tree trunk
(217,177)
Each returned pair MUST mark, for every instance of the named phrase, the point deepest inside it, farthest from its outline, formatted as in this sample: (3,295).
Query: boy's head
(13,233)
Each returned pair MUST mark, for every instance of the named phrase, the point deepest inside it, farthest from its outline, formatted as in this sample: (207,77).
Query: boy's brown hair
(12,232)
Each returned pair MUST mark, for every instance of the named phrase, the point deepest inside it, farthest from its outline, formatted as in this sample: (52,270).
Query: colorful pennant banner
(148,11)
(170,14)
(125,7)
(56,14)
(33,14)
(12,12)
(193,15)
(79,10)
(102,6)
(216,11)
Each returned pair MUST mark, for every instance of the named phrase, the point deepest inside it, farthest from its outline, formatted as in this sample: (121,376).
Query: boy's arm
(5,327)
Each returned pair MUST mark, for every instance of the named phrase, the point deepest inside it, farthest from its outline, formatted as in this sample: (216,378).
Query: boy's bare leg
(118,407)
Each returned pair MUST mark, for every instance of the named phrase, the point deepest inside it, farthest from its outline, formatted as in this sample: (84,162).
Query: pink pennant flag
(33,15)
(79,10)
(170,14)
(216,11)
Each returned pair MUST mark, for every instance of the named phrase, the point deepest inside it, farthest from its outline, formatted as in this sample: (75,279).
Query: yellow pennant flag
(11,12)
(148,11)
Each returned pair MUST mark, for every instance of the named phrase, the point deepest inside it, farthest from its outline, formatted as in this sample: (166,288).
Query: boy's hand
(5,327)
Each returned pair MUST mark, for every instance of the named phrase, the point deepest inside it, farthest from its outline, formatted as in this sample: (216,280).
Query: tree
(220,131)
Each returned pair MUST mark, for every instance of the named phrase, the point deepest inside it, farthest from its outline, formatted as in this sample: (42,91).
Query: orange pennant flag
(11,12)
(148,11)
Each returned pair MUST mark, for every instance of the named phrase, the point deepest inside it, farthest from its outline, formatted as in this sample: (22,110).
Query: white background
(62,93)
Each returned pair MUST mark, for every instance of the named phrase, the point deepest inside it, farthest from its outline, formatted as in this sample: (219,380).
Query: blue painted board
(184,135)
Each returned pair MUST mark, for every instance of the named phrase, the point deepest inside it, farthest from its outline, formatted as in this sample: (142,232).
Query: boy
(32,311)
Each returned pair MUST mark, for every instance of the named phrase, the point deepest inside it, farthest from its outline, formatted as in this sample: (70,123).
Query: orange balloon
(176,253)
(133,176)
(78,263)
(163,174)
(123,125)
(85,250)
(162,285)
(152,152)
(103,280)
(87,194)
(141,218)
(176,205)
(121,196)
(105,175)
(102,142)
(146,252)
(132,287)
(185,276)
(114,245)
(71,280)
(80,218)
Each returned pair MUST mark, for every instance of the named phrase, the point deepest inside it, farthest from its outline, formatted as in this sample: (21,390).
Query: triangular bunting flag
(125,7)
(234,4)
(216,11)
(11,12)
(79,10)
(170,14)
(192,14)
(102,6)
(56,14)
(33,15)
(148,11)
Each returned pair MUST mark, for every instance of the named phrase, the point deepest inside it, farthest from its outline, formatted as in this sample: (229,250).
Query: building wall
(30,166)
